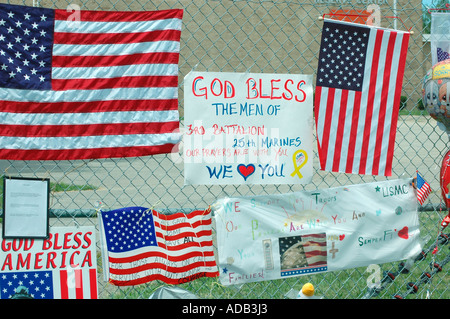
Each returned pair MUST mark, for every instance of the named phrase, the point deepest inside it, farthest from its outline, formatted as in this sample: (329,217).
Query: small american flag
(423,189)
(50,284)
(103,86)
(143,245)
(358,89)
(442,55)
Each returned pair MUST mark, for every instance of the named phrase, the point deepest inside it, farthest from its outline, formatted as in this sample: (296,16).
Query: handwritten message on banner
(63,266)
(248,128)
(276,236)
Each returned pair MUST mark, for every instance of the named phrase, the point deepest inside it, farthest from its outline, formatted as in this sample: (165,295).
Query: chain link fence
(259,36)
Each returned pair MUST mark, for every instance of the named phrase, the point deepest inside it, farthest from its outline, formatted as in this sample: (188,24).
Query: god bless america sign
(63,266)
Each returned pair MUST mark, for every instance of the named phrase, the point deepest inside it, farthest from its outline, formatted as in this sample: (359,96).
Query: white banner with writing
(276,236)
(247,128)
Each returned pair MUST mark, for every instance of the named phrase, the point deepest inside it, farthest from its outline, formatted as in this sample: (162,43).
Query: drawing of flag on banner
(143,245)
(51,284)
(104,86)
(358,89)
(423,189)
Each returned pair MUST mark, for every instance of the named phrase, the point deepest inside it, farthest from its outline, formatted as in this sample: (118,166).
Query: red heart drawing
(341,237)
(246,171)
(403,233)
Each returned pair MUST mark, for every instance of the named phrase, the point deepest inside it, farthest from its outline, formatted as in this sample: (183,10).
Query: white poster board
(276,236)
(246,128)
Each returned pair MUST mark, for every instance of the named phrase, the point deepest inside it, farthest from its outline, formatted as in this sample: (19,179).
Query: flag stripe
(185,234)
(340,128)
(327,119)
(63,279)
(115,60)
(85,153)
(90,142)
(193,224)
(156,70)
(88,129)
(373,59)
(383,89)
(112,38)
(162,277)
(89,107)
(397,95)
(90,118)
(117,82)
(115,49)
(161,254)
(353,132)
(90,95)
(333,126)
(181,267)
(93,283)
(78,284)
(119,16)
(181,247)
(390,119)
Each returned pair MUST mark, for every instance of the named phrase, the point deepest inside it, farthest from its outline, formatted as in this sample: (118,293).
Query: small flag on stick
(423,189)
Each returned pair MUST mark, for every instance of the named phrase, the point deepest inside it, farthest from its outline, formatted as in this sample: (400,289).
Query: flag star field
(26,48)
(342,56)
(130,229)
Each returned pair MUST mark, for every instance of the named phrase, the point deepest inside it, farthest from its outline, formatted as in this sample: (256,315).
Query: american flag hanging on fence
(105,85)
(358,89)
(142,245)
(50,284)
(423,189)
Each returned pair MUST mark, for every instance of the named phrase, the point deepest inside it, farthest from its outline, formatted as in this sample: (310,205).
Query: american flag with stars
(104,85)
(358,89)
(141,245)
(423,189)
(49,284)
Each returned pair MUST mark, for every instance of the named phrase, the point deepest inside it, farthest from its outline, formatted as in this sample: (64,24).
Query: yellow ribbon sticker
(299,158)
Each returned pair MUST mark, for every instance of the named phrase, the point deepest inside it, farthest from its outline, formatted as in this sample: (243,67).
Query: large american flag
(105,85)
(143,245)
(358,89)
(49,284)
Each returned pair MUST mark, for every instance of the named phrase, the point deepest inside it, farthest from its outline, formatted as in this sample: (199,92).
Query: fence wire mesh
(261,37)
